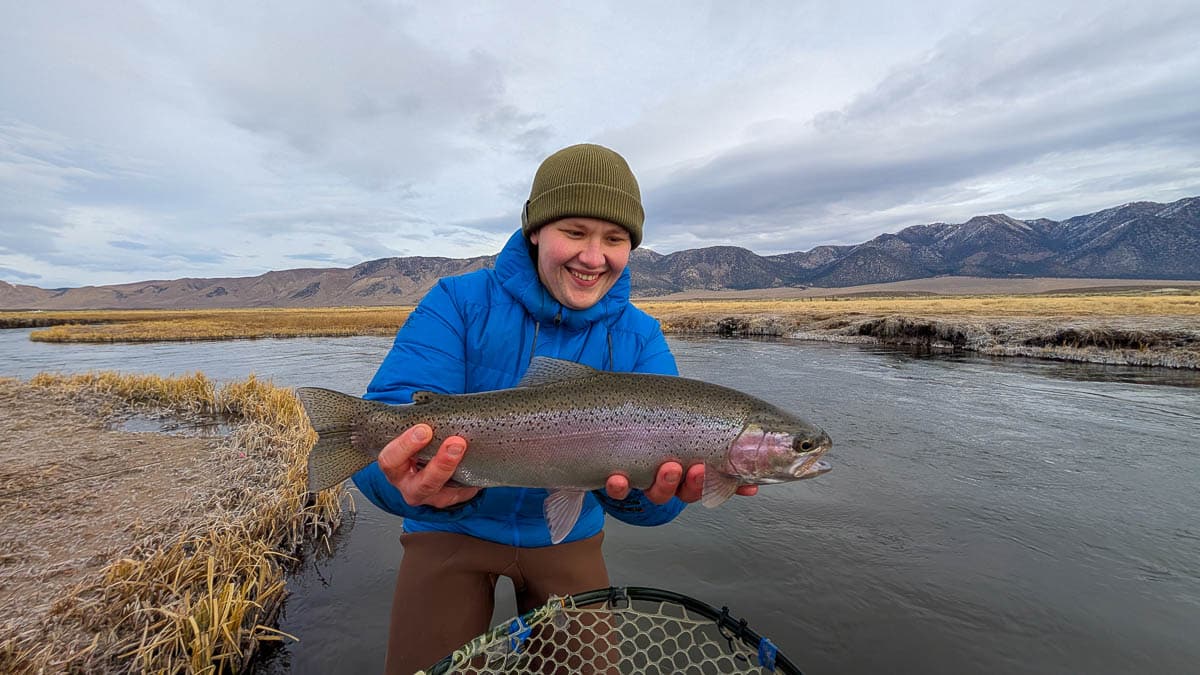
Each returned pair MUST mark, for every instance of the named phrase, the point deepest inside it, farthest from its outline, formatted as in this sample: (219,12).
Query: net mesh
(639,636)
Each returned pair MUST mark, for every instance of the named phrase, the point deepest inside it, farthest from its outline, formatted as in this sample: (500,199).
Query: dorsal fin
(545,370)
(419,397)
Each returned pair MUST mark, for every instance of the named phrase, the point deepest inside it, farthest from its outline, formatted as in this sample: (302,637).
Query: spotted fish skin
(568,427)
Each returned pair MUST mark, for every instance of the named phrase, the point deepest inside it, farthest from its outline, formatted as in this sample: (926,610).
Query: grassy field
(677,315)
(1127,328)
(672,313)
(1136,327)
(215,324)
(182,569)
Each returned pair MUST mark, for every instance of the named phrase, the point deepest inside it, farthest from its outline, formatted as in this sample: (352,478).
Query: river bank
(1143,327)
(1132,341)
(1139,329)
(135,537)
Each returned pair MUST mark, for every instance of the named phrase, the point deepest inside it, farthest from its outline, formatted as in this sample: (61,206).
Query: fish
(566,427)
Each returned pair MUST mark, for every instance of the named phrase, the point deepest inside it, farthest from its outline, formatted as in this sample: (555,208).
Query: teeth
(584,277)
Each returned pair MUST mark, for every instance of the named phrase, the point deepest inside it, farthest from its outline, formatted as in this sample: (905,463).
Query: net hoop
(511,638)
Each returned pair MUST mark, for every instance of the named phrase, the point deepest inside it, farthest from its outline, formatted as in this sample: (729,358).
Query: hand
(427,485)
(667,484)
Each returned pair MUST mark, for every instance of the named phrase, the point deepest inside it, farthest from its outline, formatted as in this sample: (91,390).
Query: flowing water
(983,515)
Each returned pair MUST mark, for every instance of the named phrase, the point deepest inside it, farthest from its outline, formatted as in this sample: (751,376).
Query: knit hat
(588,181)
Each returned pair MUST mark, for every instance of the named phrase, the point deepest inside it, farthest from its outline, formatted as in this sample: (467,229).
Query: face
(579,259)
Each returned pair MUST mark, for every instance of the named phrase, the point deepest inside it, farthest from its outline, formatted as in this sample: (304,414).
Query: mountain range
(1140,240)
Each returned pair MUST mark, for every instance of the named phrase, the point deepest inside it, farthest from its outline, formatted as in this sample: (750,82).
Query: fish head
(776,447)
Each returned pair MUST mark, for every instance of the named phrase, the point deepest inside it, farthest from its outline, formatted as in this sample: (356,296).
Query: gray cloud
(500,225)
(18,274)
(315,257)
(170,139)
(375,103)
(128,245)
(953,117)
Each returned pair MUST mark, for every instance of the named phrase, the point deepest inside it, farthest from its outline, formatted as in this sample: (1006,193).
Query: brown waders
(445,590)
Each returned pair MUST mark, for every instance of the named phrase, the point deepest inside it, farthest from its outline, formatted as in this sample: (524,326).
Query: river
(983,515)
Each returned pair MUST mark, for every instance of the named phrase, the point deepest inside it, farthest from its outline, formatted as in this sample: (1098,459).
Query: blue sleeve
(656,359)
(427,355)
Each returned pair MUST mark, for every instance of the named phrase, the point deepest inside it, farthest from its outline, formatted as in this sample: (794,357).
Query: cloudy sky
(158,140)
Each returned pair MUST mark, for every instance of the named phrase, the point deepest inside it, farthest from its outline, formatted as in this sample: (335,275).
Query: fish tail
(334,457)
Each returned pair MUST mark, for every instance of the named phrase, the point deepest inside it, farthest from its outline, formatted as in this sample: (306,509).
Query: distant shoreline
(1131,343)
(940,286)
(1142,328)
(931,286)
(1148,324)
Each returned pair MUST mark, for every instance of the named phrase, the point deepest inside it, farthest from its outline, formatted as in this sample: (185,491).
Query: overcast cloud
(157,140)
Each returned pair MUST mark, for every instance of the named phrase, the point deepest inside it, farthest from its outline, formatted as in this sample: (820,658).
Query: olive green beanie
(588,181)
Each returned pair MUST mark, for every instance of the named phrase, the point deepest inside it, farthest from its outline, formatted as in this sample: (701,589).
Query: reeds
(763,317)
(205,598)
(222,324)
(1128,329)
(688,313)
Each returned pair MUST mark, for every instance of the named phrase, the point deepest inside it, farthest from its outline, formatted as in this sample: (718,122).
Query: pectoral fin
(562,510)
(718,487)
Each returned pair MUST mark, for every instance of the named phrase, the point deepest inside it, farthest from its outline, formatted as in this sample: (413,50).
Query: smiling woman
(579,259)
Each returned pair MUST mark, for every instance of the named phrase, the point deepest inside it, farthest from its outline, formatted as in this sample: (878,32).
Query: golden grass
(678,315)
(1037,325)
(969,306)
(1150,329)
(201,600)
(215,324)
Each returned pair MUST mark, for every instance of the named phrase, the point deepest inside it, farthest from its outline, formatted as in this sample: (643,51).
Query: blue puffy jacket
(478,332)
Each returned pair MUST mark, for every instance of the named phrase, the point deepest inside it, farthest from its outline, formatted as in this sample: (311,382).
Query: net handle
(623,594)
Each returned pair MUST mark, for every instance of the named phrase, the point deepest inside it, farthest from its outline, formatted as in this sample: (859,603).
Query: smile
(583,277)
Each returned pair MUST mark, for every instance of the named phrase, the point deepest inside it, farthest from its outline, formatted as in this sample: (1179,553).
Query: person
(560,288)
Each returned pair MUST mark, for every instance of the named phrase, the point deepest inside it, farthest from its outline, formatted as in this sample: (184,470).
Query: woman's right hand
(425,485)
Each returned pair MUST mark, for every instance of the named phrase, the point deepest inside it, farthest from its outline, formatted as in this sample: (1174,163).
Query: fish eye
(803,445)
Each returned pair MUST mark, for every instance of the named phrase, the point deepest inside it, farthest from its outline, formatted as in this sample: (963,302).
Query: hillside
(1140,240)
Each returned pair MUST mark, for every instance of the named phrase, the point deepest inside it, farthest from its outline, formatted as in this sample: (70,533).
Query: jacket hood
(518,276)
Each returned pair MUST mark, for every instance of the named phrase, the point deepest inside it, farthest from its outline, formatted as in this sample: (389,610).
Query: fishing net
(619,630)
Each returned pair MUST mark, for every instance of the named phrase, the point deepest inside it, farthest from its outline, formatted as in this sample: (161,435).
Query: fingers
(427,486)
(424,486)
(396,457)
(617,487)
(693,485)
(670,481)
(445,462)
(692,488)
(665,483)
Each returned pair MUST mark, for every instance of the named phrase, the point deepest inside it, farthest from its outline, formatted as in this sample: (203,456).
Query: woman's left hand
(667,484)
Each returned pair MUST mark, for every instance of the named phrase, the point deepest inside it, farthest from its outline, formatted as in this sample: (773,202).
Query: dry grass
(1149,329)
(223,324)
(1133,326)
(686,313)
(675,316)
(204,597)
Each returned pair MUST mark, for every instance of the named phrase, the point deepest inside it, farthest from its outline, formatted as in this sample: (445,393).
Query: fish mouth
(810,465)
(815,469)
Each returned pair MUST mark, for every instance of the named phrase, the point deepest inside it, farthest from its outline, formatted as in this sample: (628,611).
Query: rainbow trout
(567,427)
